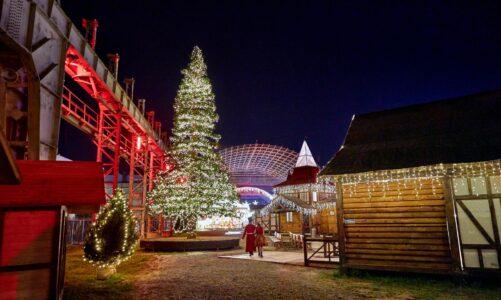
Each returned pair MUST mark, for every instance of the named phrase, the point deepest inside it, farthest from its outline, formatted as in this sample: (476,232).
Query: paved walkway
(279,257)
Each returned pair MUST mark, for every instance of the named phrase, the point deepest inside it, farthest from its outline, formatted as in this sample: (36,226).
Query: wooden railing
(323,250)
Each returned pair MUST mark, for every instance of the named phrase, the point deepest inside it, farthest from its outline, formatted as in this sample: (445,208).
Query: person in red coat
(250,235)
(260,239)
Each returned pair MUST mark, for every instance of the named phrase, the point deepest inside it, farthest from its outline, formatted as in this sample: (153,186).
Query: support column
(147,186)
(100,122)
(116,150)
(132,166)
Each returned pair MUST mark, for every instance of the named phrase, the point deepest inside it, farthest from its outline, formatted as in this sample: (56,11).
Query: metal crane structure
(39,47)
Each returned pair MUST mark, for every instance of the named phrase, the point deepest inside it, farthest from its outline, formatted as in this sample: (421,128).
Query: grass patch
(81,282)
(420,286)
(201,275)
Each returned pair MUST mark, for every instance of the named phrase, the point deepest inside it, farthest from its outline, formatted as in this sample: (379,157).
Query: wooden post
(340,225)
(305,249)
(495,225)
(451,225)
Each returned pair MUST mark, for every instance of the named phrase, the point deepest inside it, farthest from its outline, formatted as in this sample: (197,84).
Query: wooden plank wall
(294,226)
(28,253)
(327,221)
(393,228)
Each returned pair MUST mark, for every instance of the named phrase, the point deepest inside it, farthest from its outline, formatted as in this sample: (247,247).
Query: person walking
(260,239)
(250,237)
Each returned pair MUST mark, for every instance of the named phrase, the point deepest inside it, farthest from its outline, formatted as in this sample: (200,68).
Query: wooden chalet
(301,204)
(32,221)
(419,187)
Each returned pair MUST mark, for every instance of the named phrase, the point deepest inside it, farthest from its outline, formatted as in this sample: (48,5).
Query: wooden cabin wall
(294,226)
(29,254)
(398,229)
(327,221)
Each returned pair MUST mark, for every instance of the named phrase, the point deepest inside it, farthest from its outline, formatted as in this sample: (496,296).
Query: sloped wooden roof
(457,130)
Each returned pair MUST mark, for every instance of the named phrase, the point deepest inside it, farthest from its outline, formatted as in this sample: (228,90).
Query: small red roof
(301,175)
(77,185)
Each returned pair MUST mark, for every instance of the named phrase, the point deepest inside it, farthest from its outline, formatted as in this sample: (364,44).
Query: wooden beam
(475,222)
(340,225)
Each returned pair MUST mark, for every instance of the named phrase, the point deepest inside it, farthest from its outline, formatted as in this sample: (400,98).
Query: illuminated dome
(258,165)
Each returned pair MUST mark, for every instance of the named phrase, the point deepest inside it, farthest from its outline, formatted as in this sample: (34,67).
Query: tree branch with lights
(199,185)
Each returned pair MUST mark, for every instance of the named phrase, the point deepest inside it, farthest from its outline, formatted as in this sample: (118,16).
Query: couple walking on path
(254,238)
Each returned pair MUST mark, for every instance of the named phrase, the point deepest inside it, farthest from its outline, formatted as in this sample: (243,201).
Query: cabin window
(303,196)
(490,258)
(469,232)
(495,184)
(478,208)
(460,186)
(497,209)
(478,186)
(314,196)
(288,217)
(273,219)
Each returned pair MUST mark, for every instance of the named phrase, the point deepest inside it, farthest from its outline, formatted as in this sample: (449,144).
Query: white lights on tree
(112,238)
(198,187)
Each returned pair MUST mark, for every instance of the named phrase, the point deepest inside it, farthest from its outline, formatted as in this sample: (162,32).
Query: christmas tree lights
(112,238)
(198,187)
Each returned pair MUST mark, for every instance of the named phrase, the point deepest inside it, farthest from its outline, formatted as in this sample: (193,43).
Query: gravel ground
(205,276)
(202,275)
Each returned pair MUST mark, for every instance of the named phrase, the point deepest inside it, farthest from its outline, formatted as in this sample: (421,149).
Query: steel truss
(117,135)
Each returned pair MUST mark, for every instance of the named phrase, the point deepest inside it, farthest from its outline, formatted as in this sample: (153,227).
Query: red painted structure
(115,130)
(301,175)
(32,224)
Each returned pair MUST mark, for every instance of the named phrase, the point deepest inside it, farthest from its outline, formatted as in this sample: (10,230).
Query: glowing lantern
(138,143)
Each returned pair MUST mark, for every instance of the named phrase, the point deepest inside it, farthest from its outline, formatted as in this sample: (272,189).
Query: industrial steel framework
(258,164)
(39,46)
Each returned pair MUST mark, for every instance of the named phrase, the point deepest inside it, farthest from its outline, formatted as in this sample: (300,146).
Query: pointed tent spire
(305,158)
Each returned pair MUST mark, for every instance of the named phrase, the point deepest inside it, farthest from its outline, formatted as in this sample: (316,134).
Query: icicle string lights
(417,178)
(308,187)
(284,202)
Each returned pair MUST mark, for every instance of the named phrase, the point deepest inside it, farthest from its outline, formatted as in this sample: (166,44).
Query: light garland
(416,178)
(307,187)
(283,201)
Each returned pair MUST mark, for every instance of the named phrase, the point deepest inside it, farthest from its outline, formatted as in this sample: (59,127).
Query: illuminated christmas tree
(199,185)
(112,238)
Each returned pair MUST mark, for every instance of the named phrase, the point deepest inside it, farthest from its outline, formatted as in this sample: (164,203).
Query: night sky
(283,71)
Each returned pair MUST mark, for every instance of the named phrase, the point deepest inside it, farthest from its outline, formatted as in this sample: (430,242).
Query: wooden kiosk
(35,197)
(419,188)
(301,204)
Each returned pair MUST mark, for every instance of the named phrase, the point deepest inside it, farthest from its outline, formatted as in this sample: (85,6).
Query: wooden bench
(275,241)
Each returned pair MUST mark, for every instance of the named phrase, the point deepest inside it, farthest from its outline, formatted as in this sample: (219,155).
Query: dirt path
(205,276)
(202,275)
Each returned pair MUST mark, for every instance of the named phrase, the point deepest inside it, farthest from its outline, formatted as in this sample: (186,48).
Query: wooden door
(478,209)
